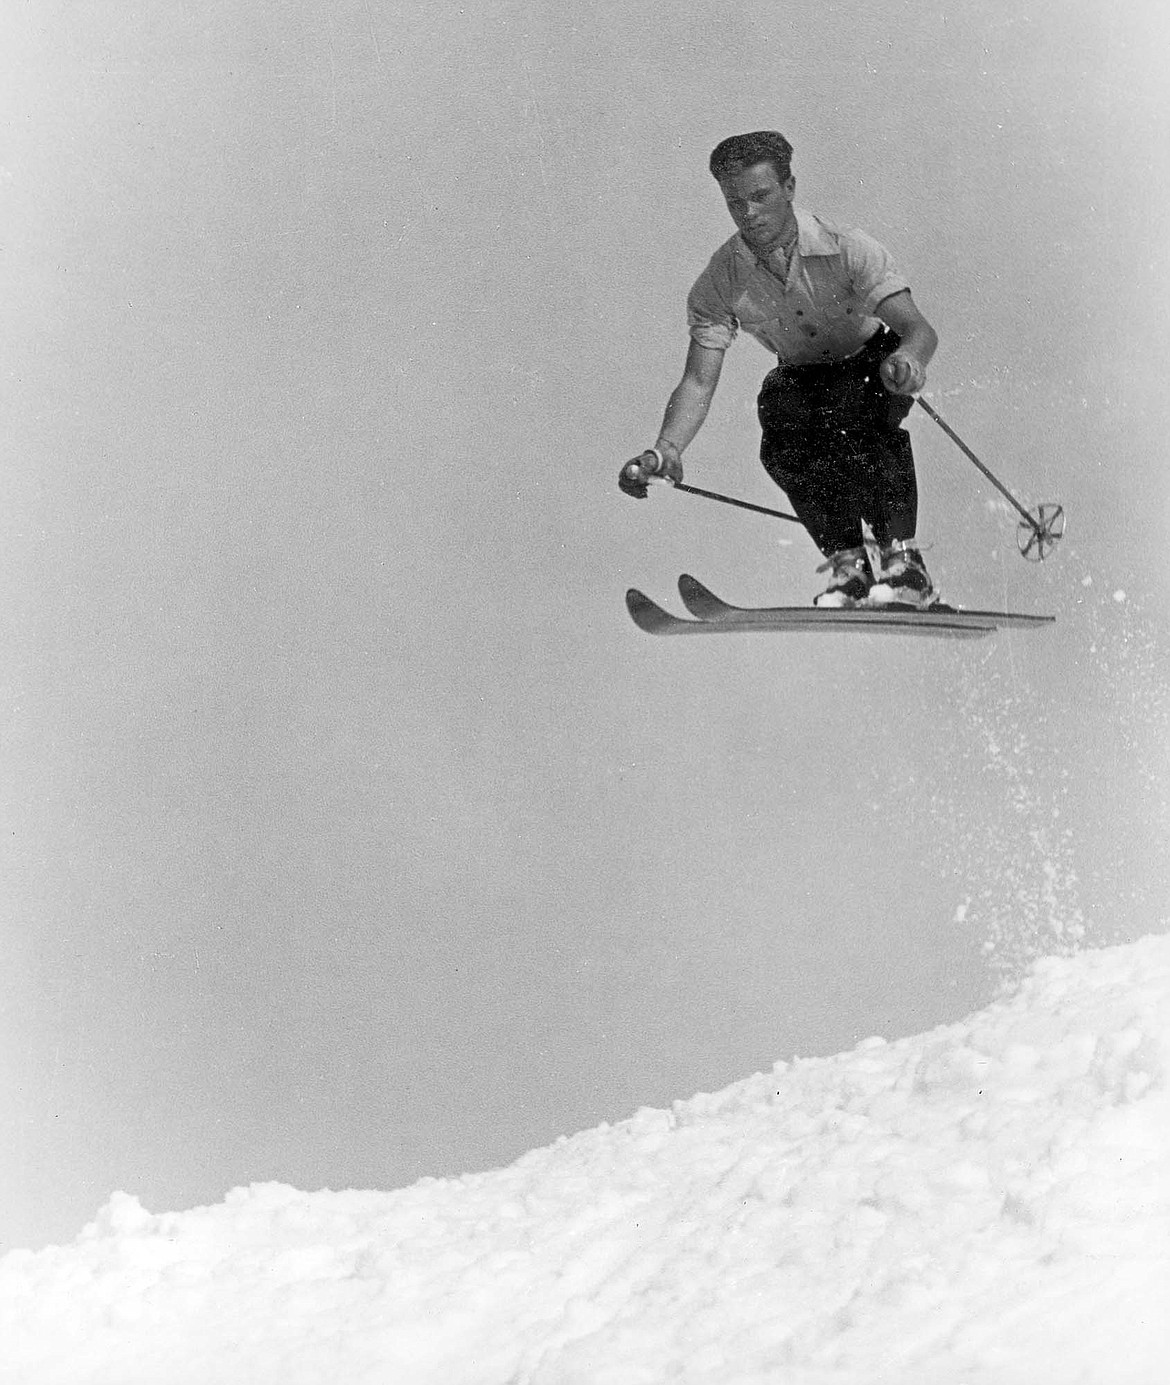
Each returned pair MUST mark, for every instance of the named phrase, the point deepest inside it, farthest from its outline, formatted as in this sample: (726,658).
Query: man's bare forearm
(921,341)
(686,409)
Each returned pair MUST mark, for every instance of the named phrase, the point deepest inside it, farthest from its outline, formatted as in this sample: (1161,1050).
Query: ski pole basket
(1038,534)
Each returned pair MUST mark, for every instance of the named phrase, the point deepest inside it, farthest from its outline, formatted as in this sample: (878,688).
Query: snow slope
(984,1204)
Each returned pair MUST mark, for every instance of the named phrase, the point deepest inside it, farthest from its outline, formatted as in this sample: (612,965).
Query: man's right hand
(903,373)
(633,477)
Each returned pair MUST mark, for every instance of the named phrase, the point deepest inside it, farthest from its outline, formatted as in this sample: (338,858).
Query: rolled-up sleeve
(871,269)
(709,320)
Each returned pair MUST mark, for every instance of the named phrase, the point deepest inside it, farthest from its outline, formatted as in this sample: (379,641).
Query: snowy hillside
(988,1203)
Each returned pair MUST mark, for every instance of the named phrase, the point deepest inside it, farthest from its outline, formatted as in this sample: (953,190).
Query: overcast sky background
(350,830)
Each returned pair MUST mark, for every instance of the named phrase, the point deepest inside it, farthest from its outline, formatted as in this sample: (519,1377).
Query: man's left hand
(903,373)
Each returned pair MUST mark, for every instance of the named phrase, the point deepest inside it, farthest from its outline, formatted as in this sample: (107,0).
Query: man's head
(741,151)
(755,176)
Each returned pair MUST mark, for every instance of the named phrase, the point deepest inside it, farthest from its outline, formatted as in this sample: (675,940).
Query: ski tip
(701,601)
(687,583)
(646,614)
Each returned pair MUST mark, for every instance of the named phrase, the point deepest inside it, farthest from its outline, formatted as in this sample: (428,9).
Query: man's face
(760,205)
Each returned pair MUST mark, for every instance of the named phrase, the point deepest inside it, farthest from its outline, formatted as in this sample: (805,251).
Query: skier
(853,350)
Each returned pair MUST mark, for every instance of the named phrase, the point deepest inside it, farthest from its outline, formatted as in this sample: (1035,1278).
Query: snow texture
(984,1204)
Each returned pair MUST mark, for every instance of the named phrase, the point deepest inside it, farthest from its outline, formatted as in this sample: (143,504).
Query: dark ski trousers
(833,442)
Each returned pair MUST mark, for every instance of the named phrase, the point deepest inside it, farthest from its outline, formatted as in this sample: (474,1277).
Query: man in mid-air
(853,350)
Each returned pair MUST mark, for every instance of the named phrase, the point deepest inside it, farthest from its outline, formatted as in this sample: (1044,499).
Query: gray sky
(350,830)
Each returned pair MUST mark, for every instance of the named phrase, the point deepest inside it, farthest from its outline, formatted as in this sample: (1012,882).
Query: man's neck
(782,247)
(784,242)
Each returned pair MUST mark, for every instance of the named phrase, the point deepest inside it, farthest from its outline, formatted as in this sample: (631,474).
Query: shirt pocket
(836,302)
(838,309)
(763,318)
(753,309)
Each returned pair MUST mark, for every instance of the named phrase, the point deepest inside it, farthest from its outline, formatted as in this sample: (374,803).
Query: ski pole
(1044,527)
(731,500)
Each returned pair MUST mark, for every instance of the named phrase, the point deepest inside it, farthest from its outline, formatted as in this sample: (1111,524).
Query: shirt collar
(813,238)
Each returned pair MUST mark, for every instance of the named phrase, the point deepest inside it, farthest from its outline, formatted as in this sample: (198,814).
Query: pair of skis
(713,616)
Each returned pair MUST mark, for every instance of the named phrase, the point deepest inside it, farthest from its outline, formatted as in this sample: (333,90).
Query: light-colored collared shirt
(820,310)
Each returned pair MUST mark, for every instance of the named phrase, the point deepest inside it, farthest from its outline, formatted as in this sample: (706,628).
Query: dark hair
(742,151)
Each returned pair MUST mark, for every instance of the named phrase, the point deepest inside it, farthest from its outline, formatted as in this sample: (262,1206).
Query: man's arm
(904,370)
(685,411)
(688,405)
